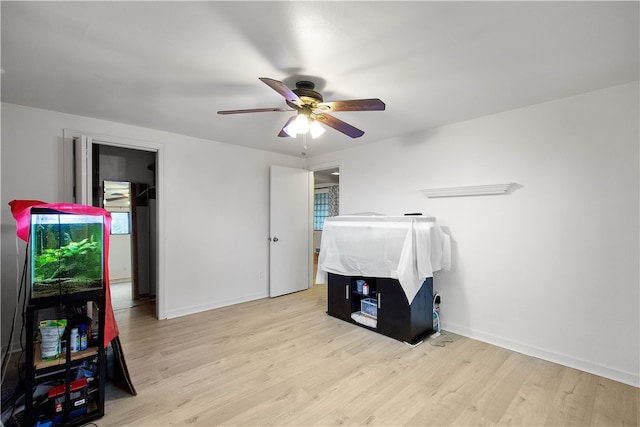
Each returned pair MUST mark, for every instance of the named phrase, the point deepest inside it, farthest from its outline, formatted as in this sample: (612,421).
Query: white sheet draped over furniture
(407,248)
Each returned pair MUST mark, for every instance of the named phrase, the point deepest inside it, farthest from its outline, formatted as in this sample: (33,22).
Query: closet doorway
(98,158)
(125,184)
(326,203)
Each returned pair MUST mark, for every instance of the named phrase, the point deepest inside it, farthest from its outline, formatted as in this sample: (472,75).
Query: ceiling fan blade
(283,90)
(255,110)
(282,132)
(373,104)
(339,125)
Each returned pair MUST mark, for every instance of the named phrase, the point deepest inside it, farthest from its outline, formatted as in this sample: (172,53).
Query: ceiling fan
(311,110)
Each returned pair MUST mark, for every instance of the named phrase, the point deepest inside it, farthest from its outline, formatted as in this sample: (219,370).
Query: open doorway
(124,183)
(326,203)
(96,158)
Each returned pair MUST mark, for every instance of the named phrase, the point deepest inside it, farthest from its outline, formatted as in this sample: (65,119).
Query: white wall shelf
(473,190)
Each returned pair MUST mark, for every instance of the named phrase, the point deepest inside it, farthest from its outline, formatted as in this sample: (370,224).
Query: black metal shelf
(67,299)
(61,370)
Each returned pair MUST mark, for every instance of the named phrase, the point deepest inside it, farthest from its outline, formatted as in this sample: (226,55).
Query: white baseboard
(629,378)
(212,305)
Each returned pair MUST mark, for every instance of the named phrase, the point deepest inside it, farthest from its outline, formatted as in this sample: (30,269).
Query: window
(320,209)
(120,223)
(117,201)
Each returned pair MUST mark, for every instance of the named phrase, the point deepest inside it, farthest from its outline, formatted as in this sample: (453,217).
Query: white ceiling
(173,65)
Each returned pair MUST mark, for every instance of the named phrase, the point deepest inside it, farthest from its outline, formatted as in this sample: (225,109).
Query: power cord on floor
(439,338)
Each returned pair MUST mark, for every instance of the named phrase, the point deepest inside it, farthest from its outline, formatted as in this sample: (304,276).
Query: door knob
(275,239)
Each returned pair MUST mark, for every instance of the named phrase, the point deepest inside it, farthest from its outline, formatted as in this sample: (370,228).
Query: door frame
(313,168)
(135,144)
(331,165)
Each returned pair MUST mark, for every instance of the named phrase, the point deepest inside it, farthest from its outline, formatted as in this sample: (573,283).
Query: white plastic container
(369,307)
(74,340)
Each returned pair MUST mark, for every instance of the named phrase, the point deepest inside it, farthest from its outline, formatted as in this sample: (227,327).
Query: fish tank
(66,252)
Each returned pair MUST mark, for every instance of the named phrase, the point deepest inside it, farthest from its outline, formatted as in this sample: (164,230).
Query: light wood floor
(283,361)
(121,297)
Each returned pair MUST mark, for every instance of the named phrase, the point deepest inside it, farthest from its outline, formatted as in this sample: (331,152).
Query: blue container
(359,284)
(369,307)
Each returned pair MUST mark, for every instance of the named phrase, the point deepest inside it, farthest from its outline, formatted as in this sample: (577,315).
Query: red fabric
(21,210)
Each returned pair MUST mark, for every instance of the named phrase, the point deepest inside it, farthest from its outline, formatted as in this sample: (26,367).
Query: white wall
(317,239)
(120,258)
(550,270)
(216,206)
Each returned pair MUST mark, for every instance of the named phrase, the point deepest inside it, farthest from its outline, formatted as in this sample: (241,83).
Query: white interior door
(289,229)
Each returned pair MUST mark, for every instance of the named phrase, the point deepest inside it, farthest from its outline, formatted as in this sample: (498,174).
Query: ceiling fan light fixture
(290,129)
(301,124)
(316,129)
